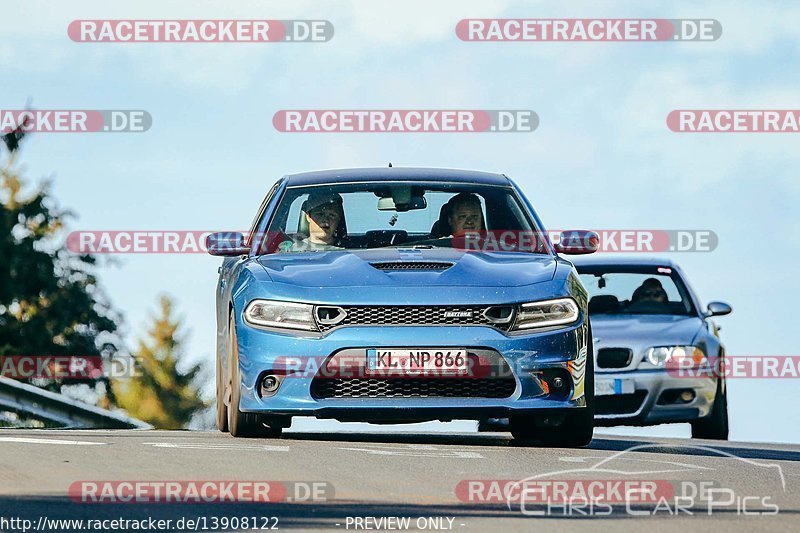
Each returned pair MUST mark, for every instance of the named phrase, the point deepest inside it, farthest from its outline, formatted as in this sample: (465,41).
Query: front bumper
(260,351)
(645,406)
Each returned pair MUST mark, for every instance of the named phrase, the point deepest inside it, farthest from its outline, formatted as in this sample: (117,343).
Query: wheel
(715,425)
(577,428)
(243,424)
(222,409)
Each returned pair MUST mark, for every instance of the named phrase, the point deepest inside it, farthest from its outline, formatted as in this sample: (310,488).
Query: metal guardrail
(39,404)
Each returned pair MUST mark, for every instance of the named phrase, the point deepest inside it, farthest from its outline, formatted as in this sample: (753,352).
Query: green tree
(160,393)
(50,302)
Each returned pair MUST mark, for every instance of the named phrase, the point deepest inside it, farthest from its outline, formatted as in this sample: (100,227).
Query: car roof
(606,259)
(346,175)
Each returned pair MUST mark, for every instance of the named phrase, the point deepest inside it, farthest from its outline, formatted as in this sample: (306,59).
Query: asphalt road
(370,476)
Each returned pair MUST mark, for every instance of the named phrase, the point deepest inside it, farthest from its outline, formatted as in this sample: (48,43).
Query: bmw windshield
(635,290)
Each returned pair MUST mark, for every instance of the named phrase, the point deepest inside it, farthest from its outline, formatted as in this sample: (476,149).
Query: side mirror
(578,242)
(227,244)
(718,309)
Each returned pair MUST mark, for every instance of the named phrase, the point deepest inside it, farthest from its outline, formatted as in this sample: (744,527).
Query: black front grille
(413,388)
(411,265)
(614,357)
(619,404)
(417,316)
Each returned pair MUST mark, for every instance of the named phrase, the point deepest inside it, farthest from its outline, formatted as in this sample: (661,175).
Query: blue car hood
(638,331)
(354,268)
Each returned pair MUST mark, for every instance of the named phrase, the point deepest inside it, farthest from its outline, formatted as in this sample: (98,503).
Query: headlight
(286,315)
(546,313)
(675,356)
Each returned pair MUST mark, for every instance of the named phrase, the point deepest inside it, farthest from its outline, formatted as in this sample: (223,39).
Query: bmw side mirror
(718,309)
(578,242)
(227,244)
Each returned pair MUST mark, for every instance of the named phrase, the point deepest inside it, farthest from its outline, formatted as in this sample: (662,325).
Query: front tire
(715,425)
(222,409)
(243,424)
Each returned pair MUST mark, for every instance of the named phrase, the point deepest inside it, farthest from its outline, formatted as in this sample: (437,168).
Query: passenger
(324,219)
(465,213)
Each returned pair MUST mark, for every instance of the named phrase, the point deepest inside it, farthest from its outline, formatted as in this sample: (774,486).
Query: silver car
(647,323)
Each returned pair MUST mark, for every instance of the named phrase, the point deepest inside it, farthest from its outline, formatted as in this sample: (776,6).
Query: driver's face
(653,295)
(466,217)
(322,223)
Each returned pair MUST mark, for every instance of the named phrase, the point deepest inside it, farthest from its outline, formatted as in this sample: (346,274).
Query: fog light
(687,396)
(269,385)
(555,383)
(676,396)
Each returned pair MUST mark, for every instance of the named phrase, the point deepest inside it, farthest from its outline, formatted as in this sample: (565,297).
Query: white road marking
(27,440)
(217,446)
(569,459)
(426,451)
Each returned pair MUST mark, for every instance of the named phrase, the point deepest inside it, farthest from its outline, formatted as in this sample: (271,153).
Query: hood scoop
(411,265)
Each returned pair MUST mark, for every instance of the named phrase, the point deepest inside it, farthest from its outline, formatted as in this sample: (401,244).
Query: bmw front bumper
(655,398)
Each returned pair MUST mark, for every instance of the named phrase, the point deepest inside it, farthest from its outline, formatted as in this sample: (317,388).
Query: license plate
(417,360)
(609,387)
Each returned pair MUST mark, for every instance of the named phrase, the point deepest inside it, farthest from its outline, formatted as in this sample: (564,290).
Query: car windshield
(398,214)
(635,291)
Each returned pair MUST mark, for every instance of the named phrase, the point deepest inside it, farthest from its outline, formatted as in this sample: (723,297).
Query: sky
(602,156)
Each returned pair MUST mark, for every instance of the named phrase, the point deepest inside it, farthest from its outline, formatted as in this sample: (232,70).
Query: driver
(324,214)
(650,291)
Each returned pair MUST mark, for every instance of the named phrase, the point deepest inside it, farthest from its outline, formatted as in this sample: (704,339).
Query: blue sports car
(399,295)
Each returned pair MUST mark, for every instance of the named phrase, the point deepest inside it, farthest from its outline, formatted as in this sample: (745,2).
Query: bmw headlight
(675,356)
(285,315)
(546,313)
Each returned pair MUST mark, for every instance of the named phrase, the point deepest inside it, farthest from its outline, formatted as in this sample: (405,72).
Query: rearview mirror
(227,244)
(577,242)
(718,309)
(414,203)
